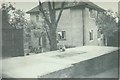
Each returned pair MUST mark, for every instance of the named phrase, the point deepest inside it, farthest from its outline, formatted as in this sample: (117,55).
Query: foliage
(38,31)
(14,16)
(36,28)
(106,23)
(6,7)
(17,19)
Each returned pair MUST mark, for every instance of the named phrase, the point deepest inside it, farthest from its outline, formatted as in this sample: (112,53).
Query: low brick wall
(88,68)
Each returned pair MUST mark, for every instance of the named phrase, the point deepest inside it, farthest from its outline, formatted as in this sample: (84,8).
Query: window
(37,18)
(62,35)
(99,32)
(91,34)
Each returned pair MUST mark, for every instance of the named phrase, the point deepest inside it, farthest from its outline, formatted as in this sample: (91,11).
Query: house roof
(69,5)
(35,9)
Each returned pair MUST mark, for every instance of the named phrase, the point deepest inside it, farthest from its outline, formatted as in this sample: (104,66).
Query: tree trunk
(53,41)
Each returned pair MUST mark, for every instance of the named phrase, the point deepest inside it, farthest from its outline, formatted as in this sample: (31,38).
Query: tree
(15,17)
(38,31)
(12,37)
(51,20)
(6,7)
(106,23)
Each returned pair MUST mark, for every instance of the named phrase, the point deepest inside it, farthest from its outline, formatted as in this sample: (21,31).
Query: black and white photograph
(59,39)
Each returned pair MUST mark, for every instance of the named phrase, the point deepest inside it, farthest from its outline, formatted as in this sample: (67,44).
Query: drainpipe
(83,26)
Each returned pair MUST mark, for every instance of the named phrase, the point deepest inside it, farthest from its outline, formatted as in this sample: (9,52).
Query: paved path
(40,64)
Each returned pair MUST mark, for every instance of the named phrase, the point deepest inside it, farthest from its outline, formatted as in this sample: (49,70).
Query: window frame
(98,33)
(91,35)
(63,35)
(37,18)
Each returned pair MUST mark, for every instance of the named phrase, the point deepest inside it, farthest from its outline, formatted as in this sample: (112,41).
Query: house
(77,25)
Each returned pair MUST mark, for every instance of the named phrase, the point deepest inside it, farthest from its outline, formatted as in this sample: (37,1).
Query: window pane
(98,33)
(91,34)
(61,35)
(37,18)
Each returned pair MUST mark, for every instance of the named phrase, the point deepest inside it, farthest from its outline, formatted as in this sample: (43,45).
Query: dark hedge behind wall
(12,40)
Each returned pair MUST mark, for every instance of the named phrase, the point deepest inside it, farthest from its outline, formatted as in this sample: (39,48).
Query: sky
(26,5)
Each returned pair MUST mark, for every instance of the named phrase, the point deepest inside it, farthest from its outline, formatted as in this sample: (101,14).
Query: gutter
(83,26)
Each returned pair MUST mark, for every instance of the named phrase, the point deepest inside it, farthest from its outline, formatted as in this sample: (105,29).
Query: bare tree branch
(60,13)
(52,14)
(50,11)
(43,12)
(53,4)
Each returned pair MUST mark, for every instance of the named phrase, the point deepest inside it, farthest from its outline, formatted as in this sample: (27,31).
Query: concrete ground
(33,66)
